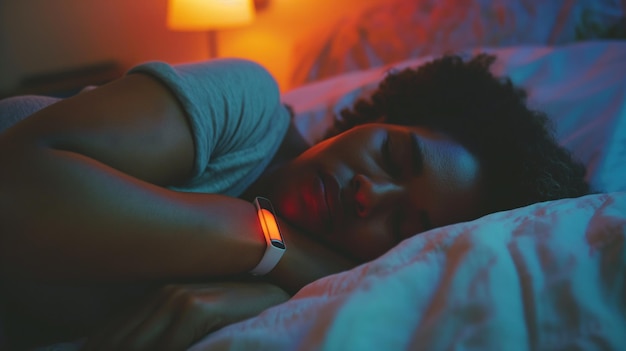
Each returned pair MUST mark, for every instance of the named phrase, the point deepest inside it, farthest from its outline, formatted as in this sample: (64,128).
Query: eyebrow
(417,155)
(417,158)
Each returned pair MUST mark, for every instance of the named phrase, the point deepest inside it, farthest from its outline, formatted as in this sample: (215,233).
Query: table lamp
(209,16)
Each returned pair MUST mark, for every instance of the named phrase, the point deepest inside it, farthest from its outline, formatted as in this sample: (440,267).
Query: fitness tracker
(274,240)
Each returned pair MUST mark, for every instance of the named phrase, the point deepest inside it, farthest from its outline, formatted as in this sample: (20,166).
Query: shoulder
(228,78)
(233,70)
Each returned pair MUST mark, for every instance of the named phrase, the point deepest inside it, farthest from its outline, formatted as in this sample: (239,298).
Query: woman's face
(372,186)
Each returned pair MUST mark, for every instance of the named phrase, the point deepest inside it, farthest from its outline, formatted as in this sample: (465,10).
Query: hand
(179,315)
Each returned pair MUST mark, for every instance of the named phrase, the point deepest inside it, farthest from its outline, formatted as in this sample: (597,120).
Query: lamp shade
(203,15)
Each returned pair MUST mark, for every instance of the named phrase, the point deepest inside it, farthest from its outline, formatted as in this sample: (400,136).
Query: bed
(549,276)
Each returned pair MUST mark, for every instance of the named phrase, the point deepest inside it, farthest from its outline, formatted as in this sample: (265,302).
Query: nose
(374,195)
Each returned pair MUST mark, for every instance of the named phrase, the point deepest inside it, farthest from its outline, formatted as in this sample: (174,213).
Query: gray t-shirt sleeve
(17,108)
(236,116)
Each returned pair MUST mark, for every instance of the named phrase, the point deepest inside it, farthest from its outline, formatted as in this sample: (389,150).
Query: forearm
(67,216)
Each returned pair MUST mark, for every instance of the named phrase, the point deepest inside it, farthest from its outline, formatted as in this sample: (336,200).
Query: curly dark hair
(522,161)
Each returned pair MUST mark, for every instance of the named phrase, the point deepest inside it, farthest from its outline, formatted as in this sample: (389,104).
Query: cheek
(453,168)
(466,172)
(456,190)
(364,241)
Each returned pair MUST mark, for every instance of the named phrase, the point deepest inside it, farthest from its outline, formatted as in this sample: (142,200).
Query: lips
(311,203)
(319,206)
(332,199)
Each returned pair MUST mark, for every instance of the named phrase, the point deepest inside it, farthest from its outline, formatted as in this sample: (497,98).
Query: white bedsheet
(545,277)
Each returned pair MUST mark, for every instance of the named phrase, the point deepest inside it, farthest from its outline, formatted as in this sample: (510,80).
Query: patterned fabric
(401,29)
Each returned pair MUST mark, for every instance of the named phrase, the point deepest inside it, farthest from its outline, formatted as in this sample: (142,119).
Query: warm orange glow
(203,15)
(269,225)
(262,220)
(268,47)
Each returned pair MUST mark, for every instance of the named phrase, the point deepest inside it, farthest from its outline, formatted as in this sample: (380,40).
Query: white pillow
(581,86)
(393,30)
(549,276)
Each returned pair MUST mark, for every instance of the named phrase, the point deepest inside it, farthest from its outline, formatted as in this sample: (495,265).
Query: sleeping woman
(137,196)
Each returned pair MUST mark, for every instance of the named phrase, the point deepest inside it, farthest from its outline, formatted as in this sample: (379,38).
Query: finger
(250,300)
(119,327)
(197,316)
(149,334)
(187,328)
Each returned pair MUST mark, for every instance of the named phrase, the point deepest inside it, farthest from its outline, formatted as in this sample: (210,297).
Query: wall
(43,36)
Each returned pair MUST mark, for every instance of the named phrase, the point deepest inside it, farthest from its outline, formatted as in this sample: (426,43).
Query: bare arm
(179,315)
(82,197)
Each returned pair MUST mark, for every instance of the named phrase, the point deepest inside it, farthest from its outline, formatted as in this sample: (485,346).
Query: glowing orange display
(269,225)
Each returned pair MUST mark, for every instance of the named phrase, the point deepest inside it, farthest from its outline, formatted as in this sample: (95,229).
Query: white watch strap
(273,238)
(269,261)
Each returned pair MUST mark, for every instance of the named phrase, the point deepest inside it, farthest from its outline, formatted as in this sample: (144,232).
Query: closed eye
(390,164)
(417,155)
